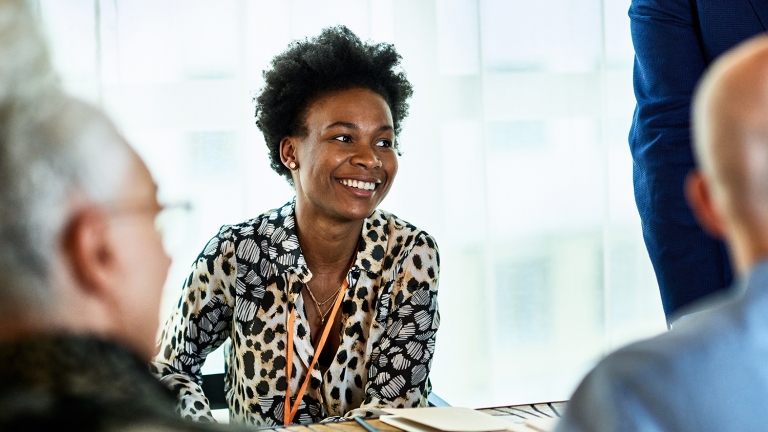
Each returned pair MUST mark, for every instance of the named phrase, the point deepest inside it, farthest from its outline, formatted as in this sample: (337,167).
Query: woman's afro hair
(334,60)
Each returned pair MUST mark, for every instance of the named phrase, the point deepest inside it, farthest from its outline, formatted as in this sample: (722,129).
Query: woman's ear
(699,197)
(288,152)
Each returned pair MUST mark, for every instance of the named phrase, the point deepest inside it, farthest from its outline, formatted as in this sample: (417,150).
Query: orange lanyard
(289,411)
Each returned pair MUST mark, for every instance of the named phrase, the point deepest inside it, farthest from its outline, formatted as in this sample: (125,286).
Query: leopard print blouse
(250,276)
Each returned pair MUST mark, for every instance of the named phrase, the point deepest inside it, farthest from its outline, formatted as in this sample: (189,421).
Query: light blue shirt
(709,373)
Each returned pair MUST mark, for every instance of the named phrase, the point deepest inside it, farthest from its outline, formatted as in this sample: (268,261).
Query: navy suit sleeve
(669,60)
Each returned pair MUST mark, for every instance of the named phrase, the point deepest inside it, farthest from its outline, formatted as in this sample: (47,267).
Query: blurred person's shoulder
(707,339)
(706,373)
(81,382)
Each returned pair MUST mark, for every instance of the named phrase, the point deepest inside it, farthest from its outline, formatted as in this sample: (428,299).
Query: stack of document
(455,419)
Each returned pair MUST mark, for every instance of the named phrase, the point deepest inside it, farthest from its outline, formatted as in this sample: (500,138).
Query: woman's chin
(344,206)
(357,213)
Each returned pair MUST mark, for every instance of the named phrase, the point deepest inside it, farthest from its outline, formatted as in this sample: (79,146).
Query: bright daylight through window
(515,158)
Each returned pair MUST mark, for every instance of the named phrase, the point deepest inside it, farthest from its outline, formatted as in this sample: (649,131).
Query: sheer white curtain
(515,157)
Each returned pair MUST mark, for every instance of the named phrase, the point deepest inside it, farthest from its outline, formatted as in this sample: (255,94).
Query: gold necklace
(318,304)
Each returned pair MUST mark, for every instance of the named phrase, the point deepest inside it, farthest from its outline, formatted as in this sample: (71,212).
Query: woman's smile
(367,185)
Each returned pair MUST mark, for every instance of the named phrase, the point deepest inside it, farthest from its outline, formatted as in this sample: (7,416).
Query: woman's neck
(328,244)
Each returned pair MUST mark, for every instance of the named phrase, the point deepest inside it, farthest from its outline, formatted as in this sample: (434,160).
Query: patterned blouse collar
(282,244)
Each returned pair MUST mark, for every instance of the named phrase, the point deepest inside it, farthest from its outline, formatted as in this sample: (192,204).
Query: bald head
(731,127)
(729,194)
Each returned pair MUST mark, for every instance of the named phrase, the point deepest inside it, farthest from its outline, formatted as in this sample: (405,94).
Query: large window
(515,157)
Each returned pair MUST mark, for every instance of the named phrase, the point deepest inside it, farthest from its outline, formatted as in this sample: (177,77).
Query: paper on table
(456,419)
(535,425)
(448,419)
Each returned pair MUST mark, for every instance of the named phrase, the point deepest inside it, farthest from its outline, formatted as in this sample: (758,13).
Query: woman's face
(346,163)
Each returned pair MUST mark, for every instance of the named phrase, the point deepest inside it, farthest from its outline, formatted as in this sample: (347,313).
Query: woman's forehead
(356,106)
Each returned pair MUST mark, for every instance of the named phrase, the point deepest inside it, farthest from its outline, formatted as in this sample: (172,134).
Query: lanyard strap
(289,411)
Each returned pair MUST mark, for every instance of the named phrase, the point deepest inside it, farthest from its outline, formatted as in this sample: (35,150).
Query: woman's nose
(366,157)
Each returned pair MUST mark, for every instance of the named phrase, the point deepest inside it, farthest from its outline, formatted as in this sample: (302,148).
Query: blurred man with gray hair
(710,372)
(81,263)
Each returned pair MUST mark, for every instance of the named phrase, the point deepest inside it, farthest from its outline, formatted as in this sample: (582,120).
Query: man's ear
(288,151)
(90,250)
(700,199)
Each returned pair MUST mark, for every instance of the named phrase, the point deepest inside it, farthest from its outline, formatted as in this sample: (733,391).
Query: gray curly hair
(52,148)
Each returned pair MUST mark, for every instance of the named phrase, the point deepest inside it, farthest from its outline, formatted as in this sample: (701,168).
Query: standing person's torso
(724,24)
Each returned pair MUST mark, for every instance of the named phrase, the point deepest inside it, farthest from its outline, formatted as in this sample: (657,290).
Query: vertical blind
(515,158)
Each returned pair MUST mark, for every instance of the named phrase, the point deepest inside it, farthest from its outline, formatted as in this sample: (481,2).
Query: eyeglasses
(170,220)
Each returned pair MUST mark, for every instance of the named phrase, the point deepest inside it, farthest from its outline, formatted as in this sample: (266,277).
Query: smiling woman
(347,153)
(330,303)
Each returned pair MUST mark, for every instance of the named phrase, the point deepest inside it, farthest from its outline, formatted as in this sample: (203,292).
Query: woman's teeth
(358,184)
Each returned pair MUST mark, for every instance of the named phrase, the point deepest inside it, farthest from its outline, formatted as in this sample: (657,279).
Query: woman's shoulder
(264,224)
(409,251)
(271,234)
(399,231)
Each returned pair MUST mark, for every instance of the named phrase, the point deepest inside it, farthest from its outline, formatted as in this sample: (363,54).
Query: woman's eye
(384,143)
(344,138)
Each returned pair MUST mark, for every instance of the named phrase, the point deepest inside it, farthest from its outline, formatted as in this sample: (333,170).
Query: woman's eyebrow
(342,124)
(354,126)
